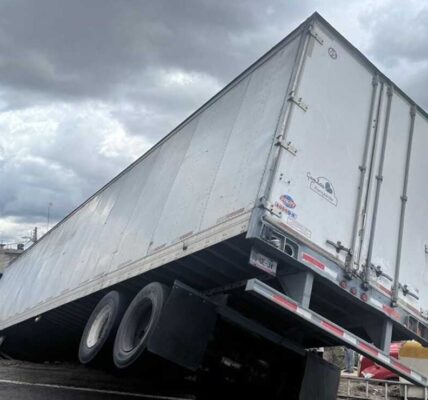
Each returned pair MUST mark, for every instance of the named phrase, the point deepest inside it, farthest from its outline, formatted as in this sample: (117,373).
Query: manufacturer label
(322,187)
(285,210)
(263,262)
(288,201)
(286,205)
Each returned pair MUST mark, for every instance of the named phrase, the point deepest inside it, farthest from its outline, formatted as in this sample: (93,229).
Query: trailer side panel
(204,174)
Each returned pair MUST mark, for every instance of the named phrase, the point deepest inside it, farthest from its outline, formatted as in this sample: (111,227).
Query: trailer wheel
(101,326)
(138,324)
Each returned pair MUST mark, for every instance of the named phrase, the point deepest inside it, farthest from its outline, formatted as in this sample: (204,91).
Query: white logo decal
(322,187)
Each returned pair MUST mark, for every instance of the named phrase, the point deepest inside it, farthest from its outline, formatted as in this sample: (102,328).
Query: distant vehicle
(368,369)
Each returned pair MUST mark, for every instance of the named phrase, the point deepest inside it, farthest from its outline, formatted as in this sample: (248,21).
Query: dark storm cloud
(95,48)
(145,64)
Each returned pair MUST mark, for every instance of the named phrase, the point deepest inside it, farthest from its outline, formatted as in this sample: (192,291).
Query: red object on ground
(370,370)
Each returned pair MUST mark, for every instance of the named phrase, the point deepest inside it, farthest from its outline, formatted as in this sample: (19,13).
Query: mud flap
(320,380)
(184,328)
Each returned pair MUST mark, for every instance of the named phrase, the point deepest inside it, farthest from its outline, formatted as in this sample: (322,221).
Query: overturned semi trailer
(290,206)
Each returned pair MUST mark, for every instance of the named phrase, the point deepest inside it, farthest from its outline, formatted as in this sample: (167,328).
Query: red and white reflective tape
(384,289)
(335,330)
(390,311)
(289,305)
(314,262)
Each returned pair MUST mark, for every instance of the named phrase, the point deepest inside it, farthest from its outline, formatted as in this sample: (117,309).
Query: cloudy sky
(86,86)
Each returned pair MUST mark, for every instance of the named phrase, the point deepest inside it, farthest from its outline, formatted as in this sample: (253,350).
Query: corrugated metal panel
(183,208)
(136,237)
(249,143)
(208,172)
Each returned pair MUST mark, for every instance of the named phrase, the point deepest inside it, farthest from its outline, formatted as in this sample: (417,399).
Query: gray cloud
(95,48)
(398,33)
(88,85)
(398,43)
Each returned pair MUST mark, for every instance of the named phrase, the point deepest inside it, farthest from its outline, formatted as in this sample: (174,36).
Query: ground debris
(367,390)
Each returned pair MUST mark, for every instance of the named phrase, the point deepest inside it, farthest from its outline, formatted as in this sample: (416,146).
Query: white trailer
(306,172)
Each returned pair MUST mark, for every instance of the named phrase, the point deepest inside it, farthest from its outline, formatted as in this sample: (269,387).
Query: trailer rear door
(316,184)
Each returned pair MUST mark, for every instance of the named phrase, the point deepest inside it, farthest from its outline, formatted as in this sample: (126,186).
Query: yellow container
(415,356)
(412,349)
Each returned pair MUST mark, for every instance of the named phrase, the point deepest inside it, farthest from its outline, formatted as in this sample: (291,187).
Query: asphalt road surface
(27,391)
(29,381)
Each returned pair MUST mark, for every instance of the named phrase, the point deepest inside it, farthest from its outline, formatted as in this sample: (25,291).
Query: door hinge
(298,102)
(268,206)
(287,146)
(315,35)
(349,271)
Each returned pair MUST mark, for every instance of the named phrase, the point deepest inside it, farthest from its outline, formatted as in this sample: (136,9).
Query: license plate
(263,262)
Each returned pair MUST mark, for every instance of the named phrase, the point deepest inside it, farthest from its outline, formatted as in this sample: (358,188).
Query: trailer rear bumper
(293,254)
(337,333)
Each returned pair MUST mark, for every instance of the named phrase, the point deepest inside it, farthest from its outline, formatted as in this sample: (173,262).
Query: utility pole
(49,214)
(33,236)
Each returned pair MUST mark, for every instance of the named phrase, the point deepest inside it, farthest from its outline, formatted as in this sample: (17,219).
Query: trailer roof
(315,17)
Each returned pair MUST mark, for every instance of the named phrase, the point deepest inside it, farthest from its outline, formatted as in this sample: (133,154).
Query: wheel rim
(98,326)
(137,328)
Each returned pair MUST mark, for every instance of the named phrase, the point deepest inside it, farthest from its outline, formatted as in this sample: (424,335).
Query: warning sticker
(298,227)
(286,205)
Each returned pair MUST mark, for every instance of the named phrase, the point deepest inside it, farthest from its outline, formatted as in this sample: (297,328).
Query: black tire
(102,325)
(138,324)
